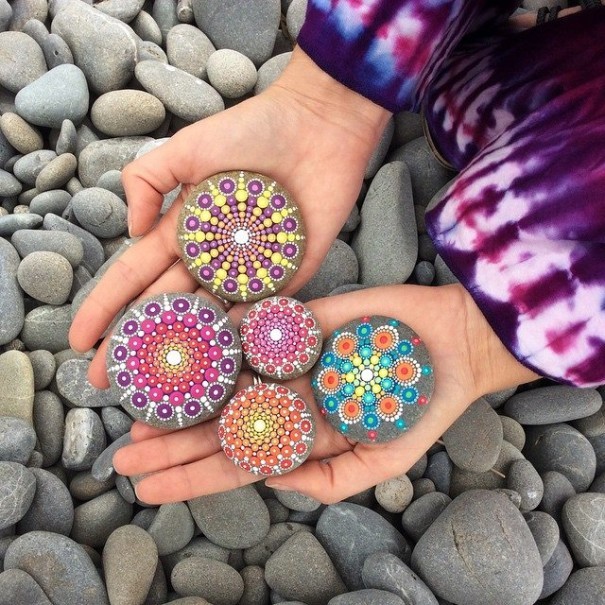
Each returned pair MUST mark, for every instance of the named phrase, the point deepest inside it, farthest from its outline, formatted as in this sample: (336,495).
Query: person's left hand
(468,361)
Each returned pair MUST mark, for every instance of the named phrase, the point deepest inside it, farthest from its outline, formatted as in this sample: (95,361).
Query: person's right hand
(308,132)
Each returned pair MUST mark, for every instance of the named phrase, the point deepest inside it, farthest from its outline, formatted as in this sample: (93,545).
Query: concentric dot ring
(280,338)
(374,379)
(266,429)
(175,359)
(241,236)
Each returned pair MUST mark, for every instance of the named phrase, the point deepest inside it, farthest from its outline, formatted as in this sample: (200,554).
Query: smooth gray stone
(17,439)
(95,520)
(443,274)
(256,22)
(36,30)
(125,488)
(582,517)
(426,248)
(112,181)
(18,587)
(60,94)
(47,327)
(85,487)
(89,33)
(17,380)
(439,471)
(498,398)
(351,533)
(21,60)
(593,425)
(116,422)
(524,479)
(85,136)
(480,550)
(421,513)
(46,276)
(421,487)
(598,444)
(17,489)
(27,241)
(146,28)
(67,138)
(384,571)
(74,387)
(548,405)
(386,242)
(315,582)
(109,154)
(164,14)
(59,565)
(124,10)
(100,212)
(474,441)
(57,172)
(408,126)
(84,439)
(513,432)
(213,580)
(255,588)
(81,279)
(352,221)
(12,312)
(14,222)
(380,151)
(20,134)
(158,591)
(172,528)
(297,501)
(94,256)
(188,49)
(198,547)
(181,93)
(9,185)
(340,267)
(6,14)
(545,531)
(278,534)
(130,559)
(234,519)
(49,421)
(232,74)
(25,10)
(270,70)
(102,469)
(560,447)
(557,570)
(278,513)
(28,167)
(7,151)
(583,586)
(52,507)
(424,273)
(395,494)
(56,51)
(35,460)
(295,17)
(557,490)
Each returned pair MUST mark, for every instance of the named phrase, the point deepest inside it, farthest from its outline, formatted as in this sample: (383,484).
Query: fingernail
(279,487)
(130,226)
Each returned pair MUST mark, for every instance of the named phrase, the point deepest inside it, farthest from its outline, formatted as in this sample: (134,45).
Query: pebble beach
(506,509)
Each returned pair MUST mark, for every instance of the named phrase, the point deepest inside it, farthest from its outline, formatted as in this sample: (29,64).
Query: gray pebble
(146,28)
(278,513)
(164,14)
(183,95)
(100,212)
(112,181)
(95,520)
(297,501)
(256,591)
(424,273)
(6,14)
(84,439)
(21,208)
(582,517)
(270,70)
(583,586)
(421,487)
(188,49)
(426,248)
(557,490)
(47,556)
(525,480)
(17,380)
(60,94)
(25,10)
(315,582)
(172,528)
(545,531)
(443,274)
(408,126)
(36,30)
(35,460)
(85,136)
(29,241)
(56,51)
(231,73)
(498,398)
(67,138)
(125,488)
(386,242)
(233,519)
(12,312)
(74,387)
(49,422)
(28,167)
(340,267)
(14,222)
(21,135)
(198,547)
(130,559)
(46,276)
(57,172)
(102,469)
(17,489)
(188,600)
(295,17)
(439,471)
(7,151)
(18,587)
(116,422)
(124,10)
(17,439)
(513,432)
(81,278)
(21,60)
(9,185)
(421,513)
(380,151)
(85,487)
(47,327)
(556,570)
(278,534)
(394,494)
(148,51)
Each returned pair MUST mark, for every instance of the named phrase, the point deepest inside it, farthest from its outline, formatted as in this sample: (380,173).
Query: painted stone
(266,429)
(374,379)
(241,236)
(175,359)
(280,338)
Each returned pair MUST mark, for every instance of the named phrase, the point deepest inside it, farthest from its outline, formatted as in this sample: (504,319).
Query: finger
(140,431)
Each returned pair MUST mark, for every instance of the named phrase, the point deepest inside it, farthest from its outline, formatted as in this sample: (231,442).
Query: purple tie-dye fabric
(522,116)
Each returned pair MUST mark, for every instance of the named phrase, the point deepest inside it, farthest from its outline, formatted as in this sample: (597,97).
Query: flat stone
(297,501)
(181,93)
(556,570)
(545,531)
(22,60)
(233,519)
(525,480)
(17,489)
(12,311)
(315,582)
(89,33)
(85,487)
(146,28)
(582,517)
(17,439)
(56,51)
(557,490)
(67,138)
(27,241)
(102,468)
(56,173)
(9,185)
(124,10)
(188,49)
(49,421)
(231,73)
(84,439)
(16,586)
(14,222)
(386,242)
(439,471)
(198,547)
(60,94)
(424,273)
(394,495)
(130,559)
(422,512)
(278,534)
(350,533)
(47,327)
(480,550)
(583,586)
(28,167)
(17,380)
(46,276)
(270,70)
(21,135)
(100,212)
(59,565)
(513,432)
(295,17)
(116,422)
(164,13)
(172,528)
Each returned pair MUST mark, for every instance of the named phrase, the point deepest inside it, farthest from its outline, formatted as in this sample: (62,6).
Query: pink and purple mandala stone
(175,359)
(280,338)
(241,236)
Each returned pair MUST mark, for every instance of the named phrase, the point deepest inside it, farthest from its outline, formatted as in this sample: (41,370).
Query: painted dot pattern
(266,429)
(374,379)
(280,338)
(175,360)
(241,236)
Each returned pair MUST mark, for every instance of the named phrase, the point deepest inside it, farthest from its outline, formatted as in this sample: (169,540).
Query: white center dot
(259,426)
(367,375)
(275,334)
(174,358)
(241,236)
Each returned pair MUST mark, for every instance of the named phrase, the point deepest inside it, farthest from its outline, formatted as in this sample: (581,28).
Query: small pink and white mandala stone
(280,338)
(175,359)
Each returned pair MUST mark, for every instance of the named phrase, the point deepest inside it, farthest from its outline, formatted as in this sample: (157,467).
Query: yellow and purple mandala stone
(374,379)
(175,359)
(266,429)
(241,235)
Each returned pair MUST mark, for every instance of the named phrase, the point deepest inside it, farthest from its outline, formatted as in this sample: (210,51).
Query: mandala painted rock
(374,379)
(266,429)
(241,236)
(280,338)
(175,359)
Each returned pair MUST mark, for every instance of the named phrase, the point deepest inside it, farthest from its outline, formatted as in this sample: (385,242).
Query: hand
(469,361)
(307,131)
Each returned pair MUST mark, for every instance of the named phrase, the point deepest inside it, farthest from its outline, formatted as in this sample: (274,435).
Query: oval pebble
(17,489)
(198,547)
(49,421)
(513,432)
(28,167)
(232,74)
(25,10)
(85,487)
(9,185)
(100,212)
(296,501)
(556,570)
(56,173)
(394,494)
(278,534)
(102,468)
(46,276)
(14,222)
(172,528)
(16,586)
(188,48)
(21,135)
(270,70)
(17,380)
(523,478)
(124,10)
(21,60)
(545,531)
(84,439)
(421,513)
(116,422)
(17,439)
(12,313)
(73,385)
(582,517)
(583,586)
(47,327)
(67,245)
(557,490)
(67,138)
(146,28)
